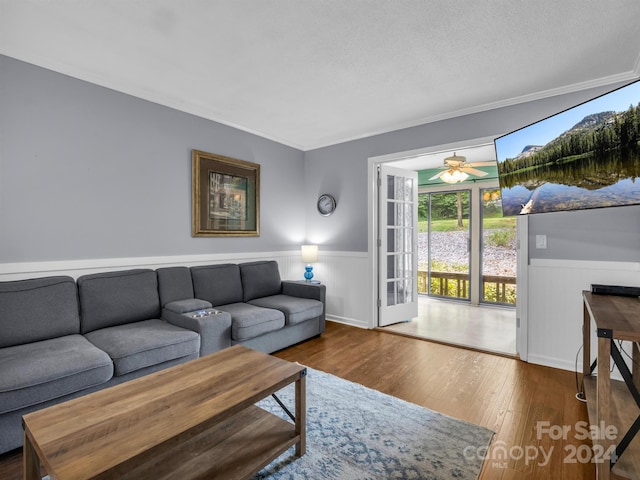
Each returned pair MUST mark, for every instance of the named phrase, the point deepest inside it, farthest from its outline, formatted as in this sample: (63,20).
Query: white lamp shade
(309,253)
(454,177)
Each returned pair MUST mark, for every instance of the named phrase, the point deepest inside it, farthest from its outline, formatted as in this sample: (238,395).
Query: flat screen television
(587,156)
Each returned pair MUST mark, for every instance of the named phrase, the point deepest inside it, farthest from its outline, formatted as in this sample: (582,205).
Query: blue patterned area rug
(354,432)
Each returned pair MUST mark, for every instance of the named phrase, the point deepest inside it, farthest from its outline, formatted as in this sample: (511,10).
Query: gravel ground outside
(451,247)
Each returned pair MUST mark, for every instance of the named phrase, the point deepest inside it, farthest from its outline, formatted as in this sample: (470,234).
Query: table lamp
(309,256)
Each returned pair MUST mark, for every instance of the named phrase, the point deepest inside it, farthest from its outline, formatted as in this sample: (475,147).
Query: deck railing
(452,284)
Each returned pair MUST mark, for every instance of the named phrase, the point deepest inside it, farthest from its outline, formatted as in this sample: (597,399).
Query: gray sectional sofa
(61,338)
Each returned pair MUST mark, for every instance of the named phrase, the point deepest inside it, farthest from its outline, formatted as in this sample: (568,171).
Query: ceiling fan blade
(438,175)
(492,163)
(473,171)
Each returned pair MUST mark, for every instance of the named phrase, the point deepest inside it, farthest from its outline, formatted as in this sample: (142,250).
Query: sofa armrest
(188,305)
(316,291)
(214,328)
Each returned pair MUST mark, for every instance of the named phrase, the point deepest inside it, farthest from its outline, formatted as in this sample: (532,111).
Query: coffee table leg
(30,461)
(301,415)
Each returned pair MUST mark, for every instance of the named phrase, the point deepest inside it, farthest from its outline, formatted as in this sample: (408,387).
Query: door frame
(372,223)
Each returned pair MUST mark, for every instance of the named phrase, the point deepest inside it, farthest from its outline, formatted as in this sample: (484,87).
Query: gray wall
(607,234)
(611,234)
(87,172)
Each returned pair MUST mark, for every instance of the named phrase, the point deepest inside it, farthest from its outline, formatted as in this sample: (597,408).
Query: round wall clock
(326,204)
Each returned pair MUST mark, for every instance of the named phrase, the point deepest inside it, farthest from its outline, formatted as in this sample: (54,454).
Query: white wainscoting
(76,268)
(343,273)
(346,276)
(554,290)
(555,306)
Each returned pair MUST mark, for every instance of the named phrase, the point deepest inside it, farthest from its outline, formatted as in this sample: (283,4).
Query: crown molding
(573,88)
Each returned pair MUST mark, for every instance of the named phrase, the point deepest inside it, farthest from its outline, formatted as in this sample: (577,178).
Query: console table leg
(634,369)
(30,461)
(301,415)
(603,469)
(586,342)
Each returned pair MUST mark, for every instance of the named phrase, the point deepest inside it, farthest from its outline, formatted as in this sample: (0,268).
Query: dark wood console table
(612,402)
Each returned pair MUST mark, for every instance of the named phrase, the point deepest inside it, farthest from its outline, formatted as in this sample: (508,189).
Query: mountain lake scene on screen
(589,159)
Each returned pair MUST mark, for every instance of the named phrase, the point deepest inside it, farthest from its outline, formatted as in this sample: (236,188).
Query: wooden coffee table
(195,420)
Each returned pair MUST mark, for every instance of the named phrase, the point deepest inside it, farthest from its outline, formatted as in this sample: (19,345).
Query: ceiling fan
(458,170)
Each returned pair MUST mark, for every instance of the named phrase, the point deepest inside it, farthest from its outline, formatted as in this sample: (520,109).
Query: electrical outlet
(541,241)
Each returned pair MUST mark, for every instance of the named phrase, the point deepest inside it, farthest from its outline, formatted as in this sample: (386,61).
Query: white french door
(397,245)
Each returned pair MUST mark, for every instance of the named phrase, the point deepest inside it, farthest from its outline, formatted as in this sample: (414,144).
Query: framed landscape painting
(225,196)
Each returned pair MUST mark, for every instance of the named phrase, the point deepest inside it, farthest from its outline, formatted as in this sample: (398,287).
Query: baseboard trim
(346,321)
(564,365)
(552,362)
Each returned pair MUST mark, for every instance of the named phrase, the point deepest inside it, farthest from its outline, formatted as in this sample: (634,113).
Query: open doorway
(485,328)
(467,259)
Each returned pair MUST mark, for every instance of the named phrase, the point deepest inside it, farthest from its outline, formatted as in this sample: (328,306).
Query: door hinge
(518,244)
(379,243)
(517,322)
(379,303)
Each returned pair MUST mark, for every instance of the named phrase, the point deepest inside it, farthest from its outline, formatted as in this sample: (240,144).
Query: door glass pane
(399,237)
(391,209)
(391,240)
(400,266)
(391,267)
(498,251)
(409,290)
(391,293)
(405,215)
(408,241)
(408,190)
(448,244)
(399,194)
(391,182)
(400,214)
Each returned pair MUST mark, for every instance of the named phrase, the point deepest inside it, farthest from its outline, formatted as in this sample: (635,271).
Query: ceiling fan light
(454,176)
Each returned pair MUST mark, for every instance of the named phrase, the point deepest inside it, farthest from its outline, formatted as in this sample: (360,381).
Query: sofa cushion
(249,321)
(134,346)
(217,284)
(295,309)
(260,279)
(38,309)
(174,284)
(115,298)
(41,371)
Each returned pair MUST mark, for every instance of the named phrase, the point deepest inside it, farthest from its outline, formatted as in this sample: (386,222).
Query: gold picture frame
(225,196)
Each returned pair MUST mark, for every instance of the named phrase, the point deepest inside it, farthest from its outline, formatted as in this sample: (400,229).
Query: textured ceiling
(315,73)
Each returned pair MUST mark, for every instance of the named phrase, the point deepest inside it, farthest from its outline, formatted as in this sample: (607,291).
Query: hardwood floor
(503,394)
(497,392)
